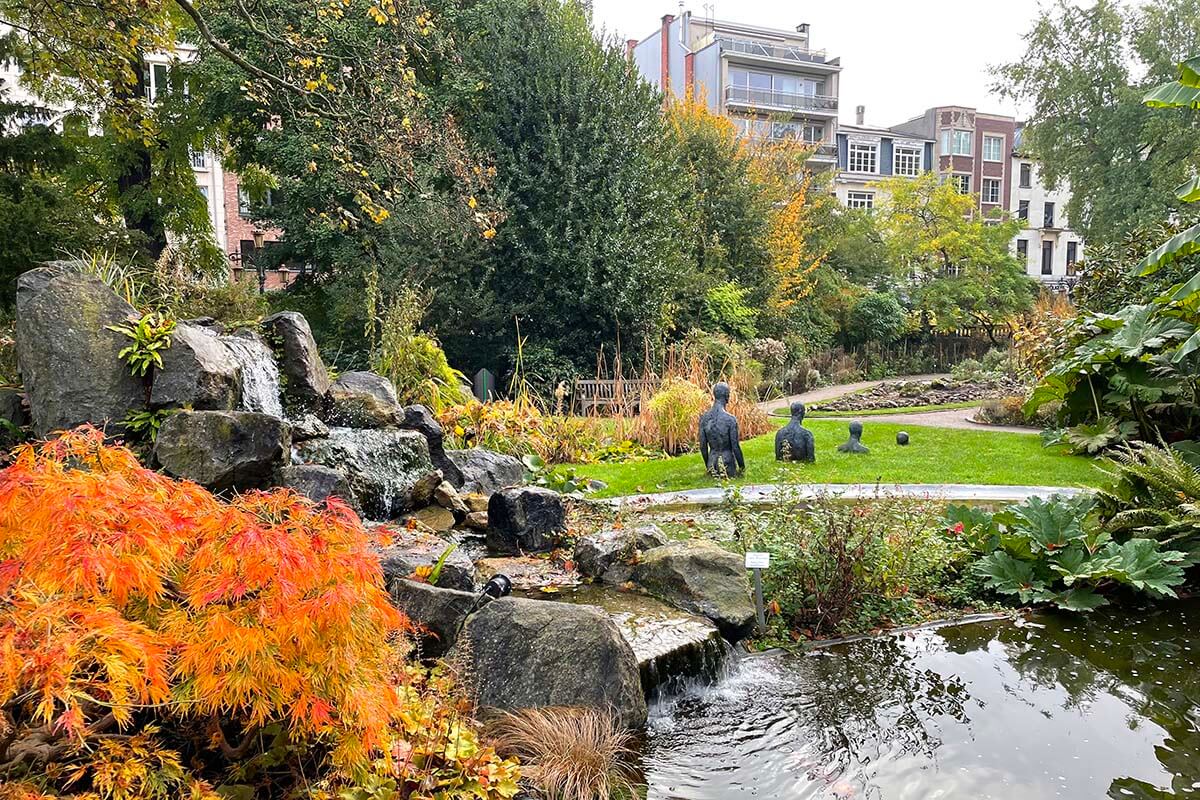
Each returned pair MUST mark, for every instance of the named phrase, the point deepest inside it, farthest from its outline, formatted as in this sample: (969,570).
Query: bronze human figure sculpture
(719,445)
(794,442)
(854,443)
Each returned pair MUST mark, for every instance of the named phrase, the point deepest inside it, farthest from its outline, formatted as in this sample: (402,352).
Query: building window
(991,190)
(1048,216)
(1072,253)
(993,148)
(199,159)
(1026,175)
(860,200)
(863,157)
(814,134)
(956,142)
(1047,258)
(1023,249)
(204,193)
(962,183)
(907,161)
(246,207)
(1023,210)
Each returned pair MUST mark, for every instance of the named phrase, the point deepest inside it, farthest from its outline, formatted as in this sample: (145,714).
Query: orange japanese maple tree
(142,619)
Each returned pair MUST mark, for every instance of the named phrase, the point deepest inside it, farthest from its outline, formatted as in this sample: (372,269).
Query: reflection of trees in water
(1143,657)
(874,698)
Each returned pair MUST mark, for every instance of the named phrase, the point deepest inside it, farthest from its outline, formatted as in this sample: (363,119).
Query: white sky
(898,59)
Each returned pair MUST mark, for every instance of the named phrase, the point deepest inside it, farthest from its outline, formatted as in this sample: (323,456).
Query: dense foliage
(156,641)
(1089,128)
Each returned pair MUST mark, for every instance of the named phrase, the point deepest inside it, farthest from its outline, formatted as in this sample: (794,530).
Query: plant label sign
(758,560)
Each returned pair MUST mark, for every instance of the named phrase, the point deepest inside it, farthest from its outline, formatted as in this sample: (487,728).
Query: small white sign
(758,560)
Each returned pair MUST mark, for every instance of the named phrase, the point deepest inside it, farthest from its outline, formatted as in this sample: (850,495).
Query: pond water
(1065,707)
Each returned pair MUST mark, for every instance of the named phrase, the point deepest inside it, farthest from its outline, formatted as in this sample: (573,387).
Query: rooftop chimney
(860,114)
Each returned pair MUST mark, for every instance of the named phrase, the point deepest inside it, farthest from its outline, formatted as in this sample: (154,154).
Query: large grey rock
(223,449)
(383,466)
(362,400)
(67,354)
(420,419)
(526,519)
(318,483)
(596,553)
(199,372)
(700,577)
(485,472)
(439,612)
(305,378)
(406,550)
(536,653)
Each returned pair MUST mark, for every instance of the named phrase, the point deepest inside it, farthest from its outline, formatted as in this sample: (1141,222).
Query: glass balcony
(752,47)
(787,101)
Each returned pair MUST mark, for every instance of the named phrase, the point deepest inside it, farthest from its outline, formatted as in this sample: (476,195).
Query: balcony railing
(791,101)
(766,50)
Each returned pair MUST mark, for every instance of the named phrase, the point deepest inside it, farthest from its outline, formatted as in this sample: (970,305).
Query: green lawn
(935,455)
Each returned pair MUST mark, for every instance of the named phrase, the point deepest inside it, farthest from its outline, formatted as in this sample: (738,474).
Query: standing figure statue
(854,443)
(719,445)
(794,442)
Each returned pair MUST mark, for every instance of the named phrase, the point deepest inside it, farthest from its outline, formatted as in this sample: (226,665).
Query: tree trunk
(139,207)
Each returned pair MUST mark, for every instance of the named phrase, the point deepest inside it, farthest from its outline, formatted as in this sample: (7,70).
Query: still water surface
(1058,708)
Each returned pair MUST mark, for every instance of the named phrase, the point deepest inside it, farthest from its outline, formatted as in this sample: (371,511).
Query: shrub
(521,428)
(674,413)
(229,302)
(568,753)
(412,361)
(1010,411)
(876,317)
(839,566)
(251,640)
(725,308)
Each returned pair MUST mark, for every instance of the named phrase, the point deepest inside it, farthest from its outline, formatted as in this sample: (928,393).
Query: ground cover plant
(936,455)
(157,641)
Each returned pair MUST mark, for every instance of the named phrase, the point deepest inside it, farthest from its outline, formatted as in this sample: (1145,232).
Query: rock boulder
(408,549)
(317,483)
(362,400)
(305,378)
(484,472)
(420,419)
(525,519)
(536,653)
(700,577)
(383,466)
(440,612)
(67,354)
(223,449)
(199,372)
(599,551)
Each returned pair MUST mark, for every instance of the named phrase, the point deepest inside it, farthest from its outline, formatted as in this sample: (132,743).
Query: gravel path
(958,418)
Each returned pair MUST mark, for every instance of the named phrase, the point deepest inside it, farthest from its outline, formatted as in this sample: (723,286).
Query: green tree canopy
(1084,74)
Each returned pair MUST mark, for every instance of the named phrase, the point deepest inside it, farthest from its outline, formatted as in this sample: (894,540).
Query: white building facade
(1046,244)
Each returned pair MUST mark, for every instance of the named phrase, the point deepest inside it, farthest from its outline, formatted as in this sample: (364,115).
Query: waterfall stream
(260,374)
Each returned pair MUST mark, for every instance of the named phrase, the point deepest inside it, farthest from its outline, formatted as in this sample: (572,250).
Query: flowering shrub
(143,620)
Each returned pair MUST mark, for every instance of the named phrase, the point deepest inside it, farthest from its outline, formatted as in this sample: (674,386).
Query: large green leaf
(1190,191)
(1079,599)
(1072,563)
(1181,245)
(1189,72)
(1049,525)
(1173,94)
(1146,329)
(1140,564)
(1052,389)
(1009,575)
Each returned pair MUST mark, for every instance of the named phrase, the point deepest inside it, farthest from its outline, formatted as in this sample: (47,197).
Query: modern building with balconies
(770,82)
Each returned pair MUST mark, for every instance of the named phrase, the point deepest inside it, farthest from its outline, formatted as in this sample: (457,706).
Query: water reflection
(1064,707)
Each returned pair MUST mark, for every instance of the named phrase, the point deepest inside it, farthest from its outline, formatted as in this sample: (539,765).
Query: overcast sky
(898,59)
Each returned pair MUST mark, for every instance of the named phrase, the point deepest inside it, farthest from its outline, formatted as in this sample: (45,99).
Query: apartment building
(1047,246)
(866,155)
(769,81)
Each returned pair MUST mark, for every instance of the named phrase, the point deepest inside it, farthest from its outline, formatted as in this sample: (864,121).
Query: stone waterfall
(260,374)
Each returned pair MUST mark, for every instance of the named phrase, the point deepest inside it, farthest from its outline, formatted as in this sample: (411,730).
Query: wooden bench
(612,397)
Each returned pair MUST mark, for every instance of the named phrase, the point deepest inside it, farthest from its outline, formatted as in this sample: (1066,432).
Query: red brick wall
(974,165)
(238,229)
(665,42)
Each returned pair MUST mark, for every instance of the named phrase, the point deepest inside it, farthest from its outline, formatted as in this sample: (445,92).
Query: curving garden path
(957,418)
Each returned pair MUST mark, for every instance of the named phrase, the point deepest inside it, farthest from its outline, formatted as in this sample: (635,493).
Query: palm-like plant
(1154,494)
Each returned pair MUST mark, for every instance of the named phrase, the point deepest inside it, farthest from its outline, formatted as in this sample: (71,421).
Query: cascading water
(260,374)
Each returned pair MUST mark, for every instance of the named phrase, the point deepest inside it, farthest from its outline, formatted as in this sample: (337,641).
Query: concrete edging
(763,494)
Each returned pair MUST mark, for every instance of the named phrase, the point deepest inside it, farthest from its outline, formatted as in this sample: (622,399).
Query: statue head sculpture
(721,392)
(798,411)
(854,443)
(856,430)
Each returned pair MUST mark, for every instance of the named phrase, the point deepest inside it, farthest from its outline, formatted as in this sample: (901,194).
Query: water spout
(260,374)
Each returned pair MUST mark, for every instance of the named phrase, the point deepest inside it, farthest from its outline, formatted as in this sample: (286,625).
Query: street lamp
(259,235)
